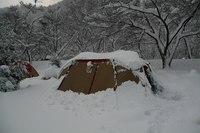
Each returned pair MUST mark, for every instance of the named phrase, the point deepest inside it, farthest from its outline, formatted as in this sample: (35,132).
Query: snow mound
(38,107)
(193,72)
(51,72)
(128,59)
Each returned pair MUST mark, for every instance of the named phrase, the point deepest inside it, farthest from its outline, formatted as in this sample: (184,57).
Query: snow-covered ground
(39,108)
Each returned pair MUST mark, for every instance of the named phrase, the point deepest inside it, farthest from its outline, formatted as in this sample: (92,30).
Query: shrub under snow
(10,77)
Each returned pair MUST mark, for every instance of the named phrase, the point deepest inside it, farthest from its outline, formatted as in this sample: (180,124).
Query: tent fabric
(124,74)
(33,73)
(92,75)
(29,70)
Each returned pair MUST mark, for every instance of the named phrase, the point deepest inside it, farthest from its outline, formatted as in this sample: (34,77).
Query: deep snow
(39,108)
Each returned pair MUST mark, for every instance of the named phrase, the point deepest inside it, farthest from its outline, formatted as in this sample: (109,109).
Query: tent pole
(95,71)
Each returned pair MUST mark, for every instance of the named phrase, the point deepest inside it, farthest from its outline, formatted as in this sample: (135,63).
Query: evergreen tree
(10,75)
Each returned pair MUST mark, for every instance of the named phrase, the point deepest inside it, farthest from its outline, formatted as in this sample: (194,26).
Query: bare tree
(165,22)
(24,30)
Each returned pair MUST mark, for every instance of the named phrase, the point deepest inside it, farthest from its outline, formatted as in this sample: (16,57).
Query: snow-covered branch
(66,45)
(183,23)
(150,23)
(132,7)
(187,34)
(23,44)
(157,9)
(32,23)
(142,27)
(180,36)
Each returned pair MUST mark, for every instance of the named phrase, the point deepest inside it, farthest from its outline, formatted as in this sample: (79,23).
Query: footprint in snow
(63,102)
(51,103)
(147,113)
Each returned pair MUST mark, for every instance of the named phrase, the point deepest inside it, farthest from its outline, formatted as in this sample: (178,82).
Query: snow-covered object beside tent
(50,72)
(91,72)
(29,70)
(9,78)
(11,75)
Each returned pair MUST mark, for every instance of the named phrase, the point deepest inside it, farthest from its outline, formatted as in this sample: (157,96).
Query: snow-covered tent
(91,72)
(29,70)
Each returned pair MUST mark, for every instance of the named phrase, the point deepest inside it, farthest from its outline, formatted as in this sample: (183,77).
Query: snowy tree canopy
(155,29)
(166,23)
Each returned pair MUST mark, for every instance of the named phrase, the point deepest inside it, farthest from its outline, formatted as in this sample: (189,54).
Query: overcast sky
(6,3)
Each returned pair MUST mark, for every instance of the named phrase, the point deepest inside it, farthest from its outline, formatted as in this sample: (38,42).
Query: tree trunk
(188,49)
(164,62)
(29,56)
(139,49)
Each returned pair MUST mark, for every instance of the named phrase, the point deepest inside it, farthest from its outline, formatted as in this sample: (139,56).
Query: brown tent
(90,72)
(92,75)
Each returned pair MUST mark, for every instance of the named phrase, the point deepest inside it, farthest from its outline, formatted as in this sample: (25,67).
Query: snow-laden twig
(132,7)
(65,45)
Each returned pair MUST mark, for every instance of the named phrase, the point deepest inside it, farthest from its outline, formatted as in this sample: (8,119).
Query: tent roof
(127,59)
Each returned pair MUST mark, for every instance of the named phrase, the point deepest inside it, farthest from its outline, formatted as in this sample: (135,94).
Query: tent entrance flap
(77,78)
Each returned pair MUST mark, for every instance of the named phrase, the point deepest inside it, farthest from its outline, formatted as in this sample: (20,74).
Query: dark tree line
(165,29)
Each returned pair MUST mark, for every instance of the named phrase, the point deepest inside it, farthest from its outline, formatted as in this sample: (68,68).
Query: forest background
(156,29)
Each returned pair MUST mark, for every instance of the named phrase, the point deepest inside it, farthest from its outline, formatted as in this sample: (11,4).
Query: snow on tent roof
(128,59)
